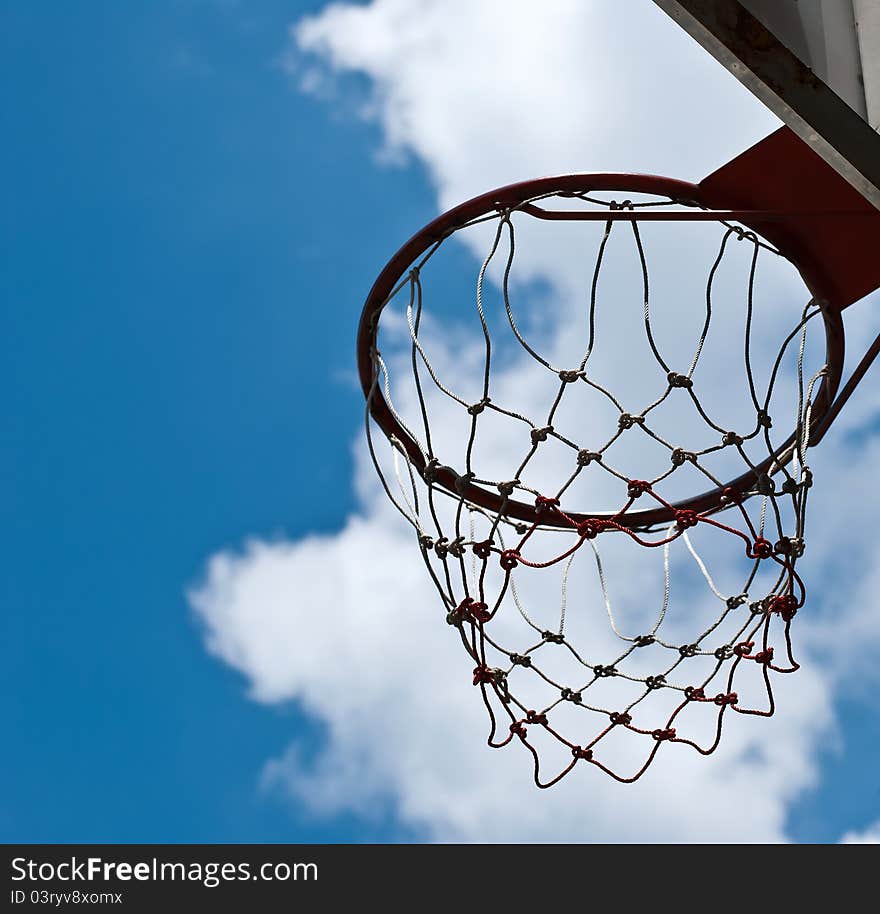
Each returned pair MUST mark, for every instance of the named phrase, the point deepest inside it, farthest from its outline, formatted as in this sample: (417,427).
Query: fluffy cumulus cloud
(348,625)
(490,91)
(871,835)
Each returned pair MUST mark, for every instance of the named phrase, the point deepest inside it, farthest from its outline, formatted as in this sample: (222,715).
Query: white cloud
(488,93)
(871,835)
(363,646)
(348,625)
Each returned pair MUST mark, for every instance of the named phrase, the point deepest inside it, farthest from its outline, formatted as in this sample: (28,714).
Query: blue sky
(176,216)
(188,239)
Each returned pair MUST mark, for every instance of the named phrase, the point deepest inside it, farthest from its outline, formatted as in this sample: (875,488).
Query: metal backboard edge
(786,85)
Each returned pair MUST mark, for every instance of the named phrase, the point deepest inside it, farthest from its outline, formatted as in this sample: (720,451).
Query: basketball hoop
(493,535)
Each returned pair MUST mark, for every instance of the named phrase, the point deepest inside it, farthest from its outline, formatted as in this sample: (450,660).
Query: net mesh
(556,657)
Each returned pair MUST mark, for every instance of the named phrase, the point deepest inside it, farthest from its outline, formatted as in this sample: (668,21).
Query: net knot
(454,616)
(660,735)
(509,559)
(722,699)
(679,380)
(688,650)
(725,652)
(426,542)
(694,693)
(620,718)
(764,420)
(483,549)
(729,438)
(456,547)
(554,637)
(542,503)
(784,605)
(540,434)
(729,495)
(644,640)
(521,660)
(737,601)
(483,675)
(518,729)
(764,657)
(605,672)
(765,485)
(656,682)
(637,487)
(782,546)
(474,611)
(569,377)
(744,648)
(441,547)
(679,456)
(590,528)
(569,695)
(685,519)
(463,481)
(476,408)
(761,549)
(580,753)
(429,472)
(506,488)
(533,717)
(627,420)
(585,457)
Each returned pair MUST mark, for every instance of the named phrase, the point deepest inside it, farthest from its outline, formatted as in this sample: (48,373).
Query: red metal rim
(511,196)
